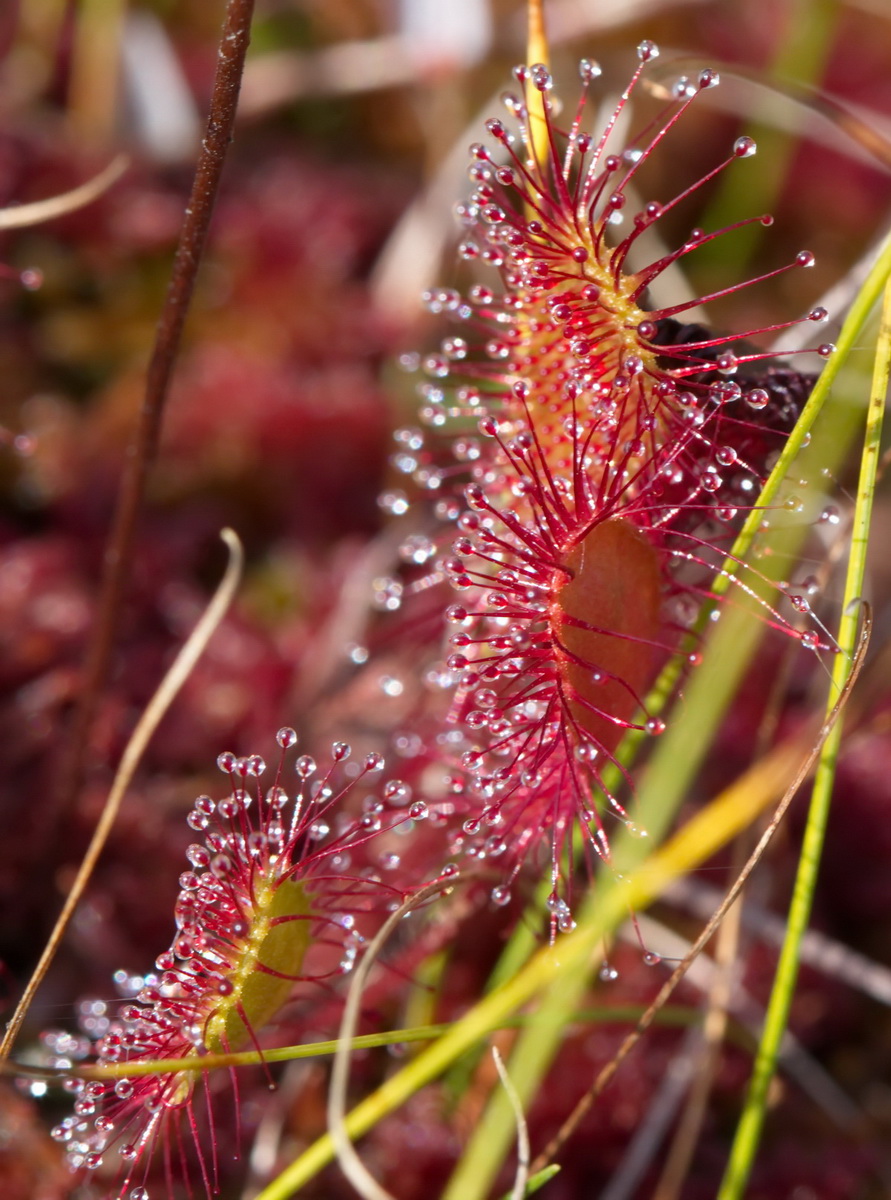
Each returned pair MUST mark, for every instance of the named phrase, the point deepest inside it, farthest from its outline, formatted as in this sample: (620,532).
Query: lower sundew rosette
(270,908)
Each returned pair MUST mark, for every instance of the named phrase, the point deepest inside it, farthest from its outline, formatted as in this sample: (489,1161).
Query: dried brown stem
(143,448)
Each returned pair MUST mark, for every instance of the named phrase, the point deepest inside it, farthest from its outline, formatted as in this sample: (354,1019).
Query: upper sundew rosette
(570,334)
(621,448)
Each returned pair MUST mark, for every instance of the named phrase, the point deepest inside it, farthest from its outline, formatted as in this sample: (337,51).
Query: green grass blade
(749,1129)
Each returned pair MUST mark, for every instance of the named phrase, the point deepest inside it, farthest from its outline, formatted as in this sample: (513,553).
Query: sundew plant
(443,618)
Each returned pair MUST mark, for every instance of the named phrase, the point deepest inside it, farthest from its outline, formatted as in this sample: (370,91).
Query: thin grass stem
(748,1131)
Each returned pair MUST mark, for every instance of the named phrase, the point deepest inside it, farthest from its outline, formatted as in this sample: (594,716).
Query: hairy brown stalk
(143,447)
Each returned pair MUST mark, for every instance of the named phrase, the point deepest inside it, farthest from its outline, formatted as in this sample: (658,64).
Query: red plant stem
(144,445)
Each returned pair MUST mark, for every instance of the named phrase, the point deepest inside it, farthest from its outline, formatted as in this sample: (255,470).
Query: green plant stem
(776,1020)
(678,1016)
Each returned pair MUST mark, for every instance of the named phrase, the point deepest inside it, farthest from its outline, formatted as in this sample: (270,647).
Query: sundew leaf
(749,1129)
(604,428)
(272,889)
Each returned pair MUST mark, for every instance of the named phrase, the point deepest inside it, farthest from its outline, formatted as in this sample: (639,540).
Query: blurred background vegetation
(335,214)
